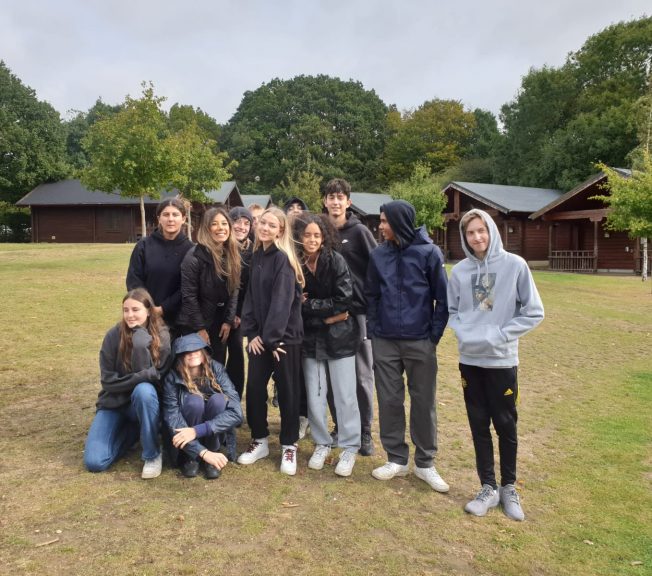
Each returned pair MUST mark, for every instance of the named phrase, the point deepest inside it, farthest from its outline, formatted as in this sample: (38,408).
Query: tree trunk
(143,225)
(644,263)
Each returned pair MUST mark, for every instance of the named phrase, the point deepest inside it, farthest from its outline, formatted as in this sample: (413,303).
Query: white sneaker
(289,460)
(258,448)
(345,465)
(304,424)
(432,478)
(390,469)
(319,456)
(152,468)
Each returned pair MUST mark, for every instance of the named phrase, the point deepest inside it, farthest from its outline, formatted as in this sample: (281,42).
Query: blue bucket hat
(190,343)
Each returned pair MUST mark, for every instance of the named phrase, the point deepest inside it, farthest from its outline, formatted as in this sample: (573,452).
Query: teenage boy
(357,243)
(492,302)
(406,317)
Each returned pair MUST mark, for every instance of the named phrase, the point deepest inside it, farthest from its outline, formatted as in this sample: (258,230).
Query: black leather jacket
(329,292)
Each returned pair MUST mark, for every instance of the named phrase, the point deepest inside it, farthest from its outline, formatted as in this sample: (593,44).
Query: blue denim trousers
(114,431)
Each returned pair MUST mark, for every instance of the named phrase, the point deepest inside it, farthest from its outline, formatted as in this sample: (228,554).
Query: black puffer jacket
(205,299)
(329,292)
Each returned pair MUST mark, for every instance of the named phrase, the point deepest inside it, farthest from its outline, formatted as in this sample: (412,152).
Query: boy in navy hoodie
(406,316)
(492,302)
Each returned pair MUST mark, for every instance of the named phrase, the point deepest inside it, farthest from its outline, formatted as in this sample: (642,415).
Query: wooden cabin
(510,207)
(66,211)
(578,239)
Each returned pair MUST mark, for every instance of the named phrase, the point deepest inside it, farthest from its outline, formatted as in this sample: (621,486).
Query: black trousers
(235,360)
(491,396)
(287,374)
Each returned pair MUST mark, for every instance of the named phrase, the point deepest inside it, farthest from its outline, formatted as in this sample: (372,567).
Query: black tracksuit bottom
(287,374)
(491,395)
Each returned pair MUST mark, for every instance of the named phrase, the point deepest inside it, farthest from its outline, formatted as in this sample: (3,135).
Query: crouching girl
(200,405)
(133,358)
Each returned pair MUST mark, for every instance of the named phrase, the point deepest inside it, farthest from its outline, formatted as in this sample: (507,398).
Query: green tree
(32,139)
(424,192)
(438,133)
(130,152)
(304,184)
(182,115)
(309,123)
(77,128)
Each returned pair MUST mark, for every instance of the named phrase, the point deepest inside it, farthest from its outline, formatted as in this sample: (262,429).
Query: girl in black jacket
(330,342)
(271,321)
(210,279)
(155,262)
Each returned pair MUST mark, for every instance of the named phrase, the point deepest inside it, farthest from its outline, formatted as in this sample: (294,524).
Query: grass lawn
(585,454)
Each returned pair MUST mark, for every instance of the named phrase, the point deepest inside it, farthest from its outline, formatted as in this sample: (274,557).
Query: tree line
(295,134)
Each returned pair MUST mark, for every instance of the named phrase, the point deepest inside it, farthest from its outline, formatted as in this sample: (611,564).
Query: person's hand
(204,336)
(256,346)
(217,459)
(183,436)
(277,353)
(236,322)
(304,297)
(225,330)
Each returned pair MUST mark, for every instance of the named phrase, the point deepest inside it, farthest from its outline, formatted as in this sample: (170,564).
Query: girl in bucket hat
(200,406)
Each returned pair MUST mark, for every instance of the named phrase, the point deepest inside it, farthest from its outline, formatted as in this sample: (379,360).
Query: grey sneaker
(511,503)
(152,467)
(484,500)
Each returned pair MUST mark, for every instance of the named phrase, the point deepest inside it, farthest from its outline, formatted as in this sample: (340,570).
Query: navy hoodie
(406,281)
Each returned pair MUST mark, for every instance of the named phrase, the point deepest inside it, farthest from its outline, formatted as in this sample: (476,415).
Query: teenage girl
(330,342)
(271,321)
(210,279)
(133,358)
(155,262)
(200,405)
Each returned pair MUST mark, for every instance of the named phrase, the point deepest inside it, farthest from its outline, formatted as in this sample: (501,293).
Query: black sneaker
(211,472)
(366,445)
(190,468)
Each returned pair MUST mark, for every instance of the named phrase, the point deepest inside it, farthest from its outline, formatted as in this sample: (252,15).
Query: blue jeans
(114,431)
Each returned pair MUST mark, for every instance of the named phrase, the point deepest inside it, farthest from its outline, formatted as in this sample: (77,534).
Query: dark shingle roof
(366,203)
(508,199)
(221,195)
(263,200)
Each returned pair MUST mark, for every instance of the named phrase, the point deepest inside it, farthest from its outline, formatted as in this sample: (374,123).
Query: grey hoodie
(492,303)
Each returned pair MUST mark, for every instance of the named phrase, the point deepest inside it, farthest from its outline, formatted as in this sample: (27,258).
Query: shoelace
(484,494)
(289,455)
(253,446)
(512,495)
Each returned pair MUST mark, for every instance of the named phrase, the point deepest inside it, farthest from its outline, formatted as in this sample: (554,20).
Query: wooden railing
(573,260)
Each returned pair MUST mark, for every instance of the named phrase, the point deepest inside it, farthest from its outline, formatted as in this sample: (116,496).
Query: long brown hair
(154,325)
(207,374)
(226,255)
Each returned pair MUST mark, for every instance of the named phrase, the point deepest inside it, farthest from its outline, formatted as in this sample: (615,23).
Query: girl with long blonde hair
(271,321)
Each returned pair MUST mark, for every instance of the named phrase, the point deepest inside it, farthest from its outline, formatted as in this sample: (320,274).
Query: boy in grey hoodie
(492,301)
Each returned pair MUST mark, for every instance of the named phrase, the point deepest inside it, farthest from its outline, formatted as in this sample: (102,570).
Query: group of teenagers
(330,316)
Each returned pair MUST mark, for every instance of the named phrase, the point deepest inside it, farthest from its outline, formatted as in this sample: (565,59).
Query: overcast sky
(207,53)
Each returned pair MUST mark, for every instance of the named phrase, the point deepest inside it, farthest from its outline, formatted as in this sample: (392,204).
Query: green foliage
(304,184)
(439,133)
(313,123)
(197,168)
(15,223)
(77,128)
(32,139)
(566,119)
(630,199)
(182,115)
(423,191)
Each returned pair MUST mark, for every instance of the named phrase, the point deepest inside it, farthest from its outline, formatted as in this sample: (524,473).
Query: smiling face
(193,359)
(311,239)
(170,221)
(220,228)
(241,228)
(477,237)
(134,313)
(336,204)
(269,229)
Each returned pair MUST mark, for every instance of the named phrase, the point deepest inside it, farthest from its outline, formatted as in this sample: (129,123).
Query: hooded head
(190,343)
(400,216)
(289,205)
(240,212)
(494,244)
